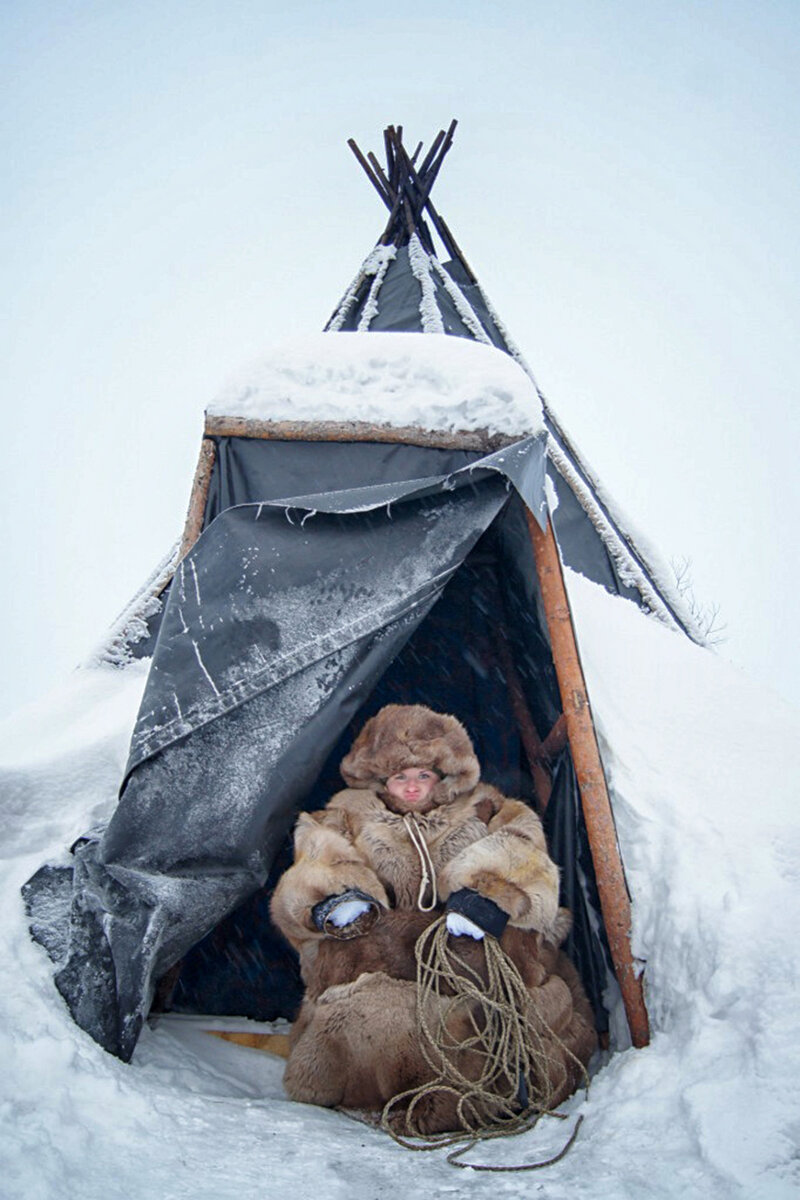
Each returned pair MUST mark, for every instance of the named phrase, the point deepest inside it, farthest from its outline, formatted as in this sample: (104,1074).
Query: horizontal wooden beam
(357,431)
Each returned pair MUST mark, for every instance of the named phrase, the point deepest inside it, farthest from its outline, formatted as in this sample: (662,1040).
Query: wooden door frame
(595,801)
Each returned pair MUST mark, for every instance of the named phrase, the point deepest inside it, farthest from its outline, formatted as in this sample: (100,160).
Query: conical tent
(402,285)
(369,524)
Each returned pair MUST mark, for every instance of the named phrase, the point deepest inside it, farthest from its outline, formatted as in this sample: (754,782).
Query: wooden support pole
(529,734)
(422,184)
(378,169)
(370,174)
(556,739)
(599,819)
(435,167)
(453,248)
(429,157)
(198,496)
(390,159)
(422,188)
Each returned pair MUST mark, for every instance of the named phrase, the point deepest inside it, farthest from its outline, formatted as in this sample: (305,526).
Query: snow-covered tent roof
(384,381)
(403,286)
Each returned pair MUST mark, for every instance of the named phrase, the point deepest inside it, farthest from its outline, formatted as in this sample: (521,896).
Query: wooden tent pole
(529,734)
(611,886)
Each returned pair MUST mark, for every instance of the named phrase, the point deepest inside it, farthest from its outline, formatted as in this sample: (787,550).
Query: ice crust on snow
(712,855)
(422,380)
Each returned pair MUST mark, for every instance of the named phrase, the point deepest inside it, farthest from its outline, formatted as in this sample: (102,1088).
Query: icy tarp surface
(278,625)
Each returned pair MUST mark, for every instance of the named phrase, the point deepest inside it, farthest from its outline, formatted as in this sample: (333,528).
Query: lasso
(502,1076)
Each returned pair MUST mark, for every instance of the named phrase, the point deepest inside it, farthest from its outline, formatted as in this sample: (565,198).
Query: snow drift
(712,851)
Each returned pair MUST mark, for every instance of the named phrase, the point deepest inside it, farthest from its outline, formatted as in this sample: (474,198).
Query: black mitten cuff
(489,916)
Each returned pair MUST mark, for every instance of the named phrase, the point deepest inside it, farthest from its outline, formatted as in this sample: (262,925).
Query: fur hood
(410,735)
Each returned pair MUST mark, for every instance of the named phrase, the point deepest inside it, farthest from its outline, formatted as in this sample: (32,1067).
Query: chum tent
(380,514)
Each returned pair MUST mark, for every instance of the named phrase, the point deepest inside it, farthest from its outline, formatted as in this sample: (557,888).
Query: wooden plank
(272,1043)
(611,886)
(357,431)
(197,498)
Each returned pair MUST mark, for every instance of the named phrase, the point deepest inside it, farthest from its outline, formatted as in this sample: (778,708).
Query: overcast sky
(179,197)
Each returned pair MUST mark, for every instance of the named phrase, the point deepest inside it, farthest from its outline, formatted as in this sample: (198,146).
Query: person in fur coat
(416,833)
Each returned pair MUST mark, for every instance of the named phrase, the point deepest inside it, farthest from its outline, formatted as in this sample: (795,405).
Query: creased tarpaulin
(278,624)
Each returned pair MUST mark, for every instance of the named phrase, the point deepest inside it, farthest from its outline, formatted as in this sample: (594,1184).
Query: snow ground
(704,767)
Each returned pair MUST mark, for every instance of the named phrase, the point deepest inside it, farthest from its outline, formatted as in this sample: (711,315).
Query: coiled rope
(503,1076)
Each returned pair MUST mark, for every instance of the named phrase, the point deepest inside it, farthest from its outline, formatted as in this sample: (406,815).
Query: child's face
(411,789)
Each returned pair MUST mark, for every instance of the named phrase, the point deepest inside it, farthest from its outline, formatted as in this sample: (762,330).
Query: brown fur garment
(355,1042)
(410,735)
(481,840)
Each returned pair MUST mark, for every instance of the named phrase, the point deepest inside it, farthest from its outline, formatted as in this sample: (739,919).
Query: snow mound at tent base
(704,770)
(408,380)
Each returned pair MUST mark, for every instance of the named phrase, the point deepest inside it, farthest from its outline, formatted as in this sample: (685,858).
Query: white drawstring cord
(426,864)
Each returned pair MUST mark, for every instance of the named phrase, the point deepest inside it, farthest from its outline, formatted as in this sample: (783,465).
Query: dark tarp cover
(399,304)
(279,626)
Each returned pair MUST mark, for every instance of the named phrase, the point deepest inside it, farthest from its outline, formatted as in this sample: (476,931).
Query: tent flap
(278,625)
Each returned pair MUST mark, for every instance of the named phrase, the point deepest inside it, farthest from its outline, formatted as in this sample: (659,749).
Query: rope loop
(426,865)
(494,1061)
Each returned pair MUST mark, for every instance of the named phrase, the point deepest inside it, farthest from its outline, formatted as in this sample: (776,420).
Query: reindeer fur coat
(355,1043)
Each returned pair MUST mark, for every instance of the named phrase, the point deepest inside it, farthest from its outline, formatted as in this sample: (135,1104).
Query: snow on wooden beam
(357,431)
